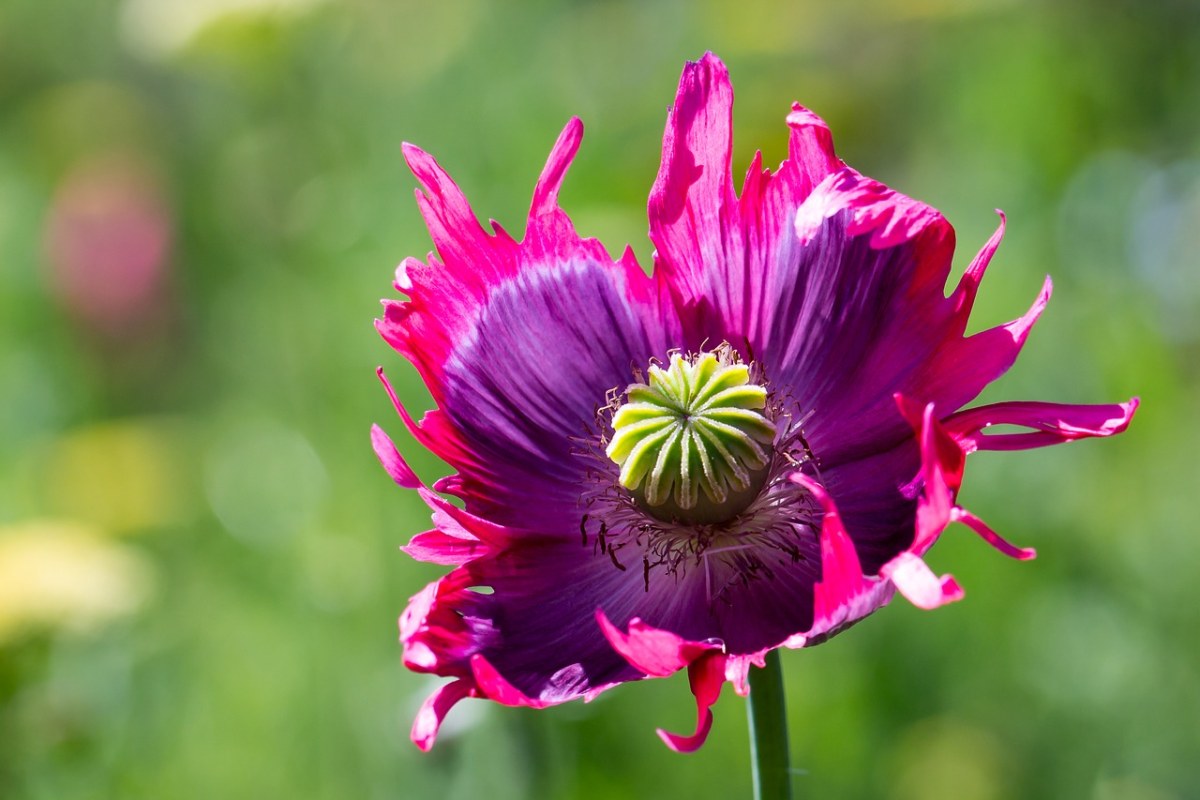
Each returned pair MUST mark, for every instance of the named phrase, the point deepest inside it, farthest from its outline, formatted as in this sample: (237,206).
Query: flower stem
(768,732)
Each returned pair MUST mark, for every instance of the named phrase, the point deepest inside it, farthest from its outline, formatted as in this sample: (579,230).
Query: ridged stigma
(693,442)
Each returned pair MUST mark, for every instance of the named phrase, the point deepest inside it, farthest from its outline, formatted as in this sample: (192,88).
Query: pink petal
(494,686)
(918,584)
(439,547)
(432,433)
(737,670)
(942,464)
(844,594)
(545,194)
(810,149)
(841,575)
(706,675)
(436,635)
(656,652)
(1052,423)
(434,710)
(697,146)
(968,285)
(460,522)
(991,537)
(977,360)
(393,463)
(890,217)
(715,254)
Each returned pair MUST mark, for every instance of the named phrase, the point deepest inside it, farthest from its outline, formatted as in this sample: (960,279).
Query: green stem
(768,732)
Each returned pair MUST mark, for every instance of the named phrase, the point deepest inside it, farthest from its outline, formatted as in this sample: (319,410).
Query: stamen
(693,442)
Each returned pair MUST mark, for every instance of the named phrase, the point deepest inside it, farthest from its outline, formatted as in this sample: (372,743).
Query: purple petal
(862,288)
(519,344)
(797,299)
(877,501)
(714,251)
(770,607)
(536,627)
(524,388)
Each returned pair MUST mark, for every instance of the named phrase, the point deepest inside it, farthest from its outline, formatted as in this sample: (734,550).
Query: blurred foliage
(201,201)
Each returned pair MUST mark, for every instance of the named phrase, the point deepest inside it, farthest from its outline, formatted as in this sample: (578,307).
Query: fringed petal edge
(945,445)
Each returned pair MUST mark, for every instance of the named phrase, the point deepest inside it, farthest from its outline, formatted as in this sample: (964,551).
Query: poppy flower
(750,448)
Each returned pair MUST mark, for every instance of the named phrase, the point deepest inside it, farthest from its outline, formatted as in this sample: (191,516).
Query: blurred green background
(201,202)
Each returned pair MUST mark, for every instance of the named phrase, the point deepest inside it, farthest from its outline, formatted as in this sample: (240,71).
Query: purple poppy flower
(751,449)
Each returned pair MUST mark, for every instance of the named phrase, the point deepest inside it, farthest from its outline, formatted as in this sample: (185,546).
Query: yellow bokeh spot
(119,476)
(66,575)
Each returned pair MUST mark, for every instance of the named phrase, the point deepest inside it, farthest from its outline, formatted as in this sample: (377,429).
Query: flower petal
(918,584)
(1051,423)
(656,652)
(940,471)
(737,272)
(529,613)
(706,676)
(942,465)
(659,653)
(518,343)
(439,547)
(393,463)
(714,251)
(440,628)
(434,710)
(864,252)
(991,537)
(495,687)
(843,595)
(761,612)
(869,207)
(526,386)
(876,498)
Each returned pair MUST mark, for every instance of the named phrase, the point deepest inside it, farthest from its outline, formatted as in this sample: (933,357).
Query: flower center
(693,442)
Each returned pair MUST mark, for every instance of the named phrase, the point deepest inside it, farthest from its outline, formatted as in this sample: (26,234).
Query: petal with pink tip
(991,537)
(434,710)
(715,252)
(912,576)
(517,342)
(656,652)
(1051,423)
(393,463)
(843,595)
(706,676)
